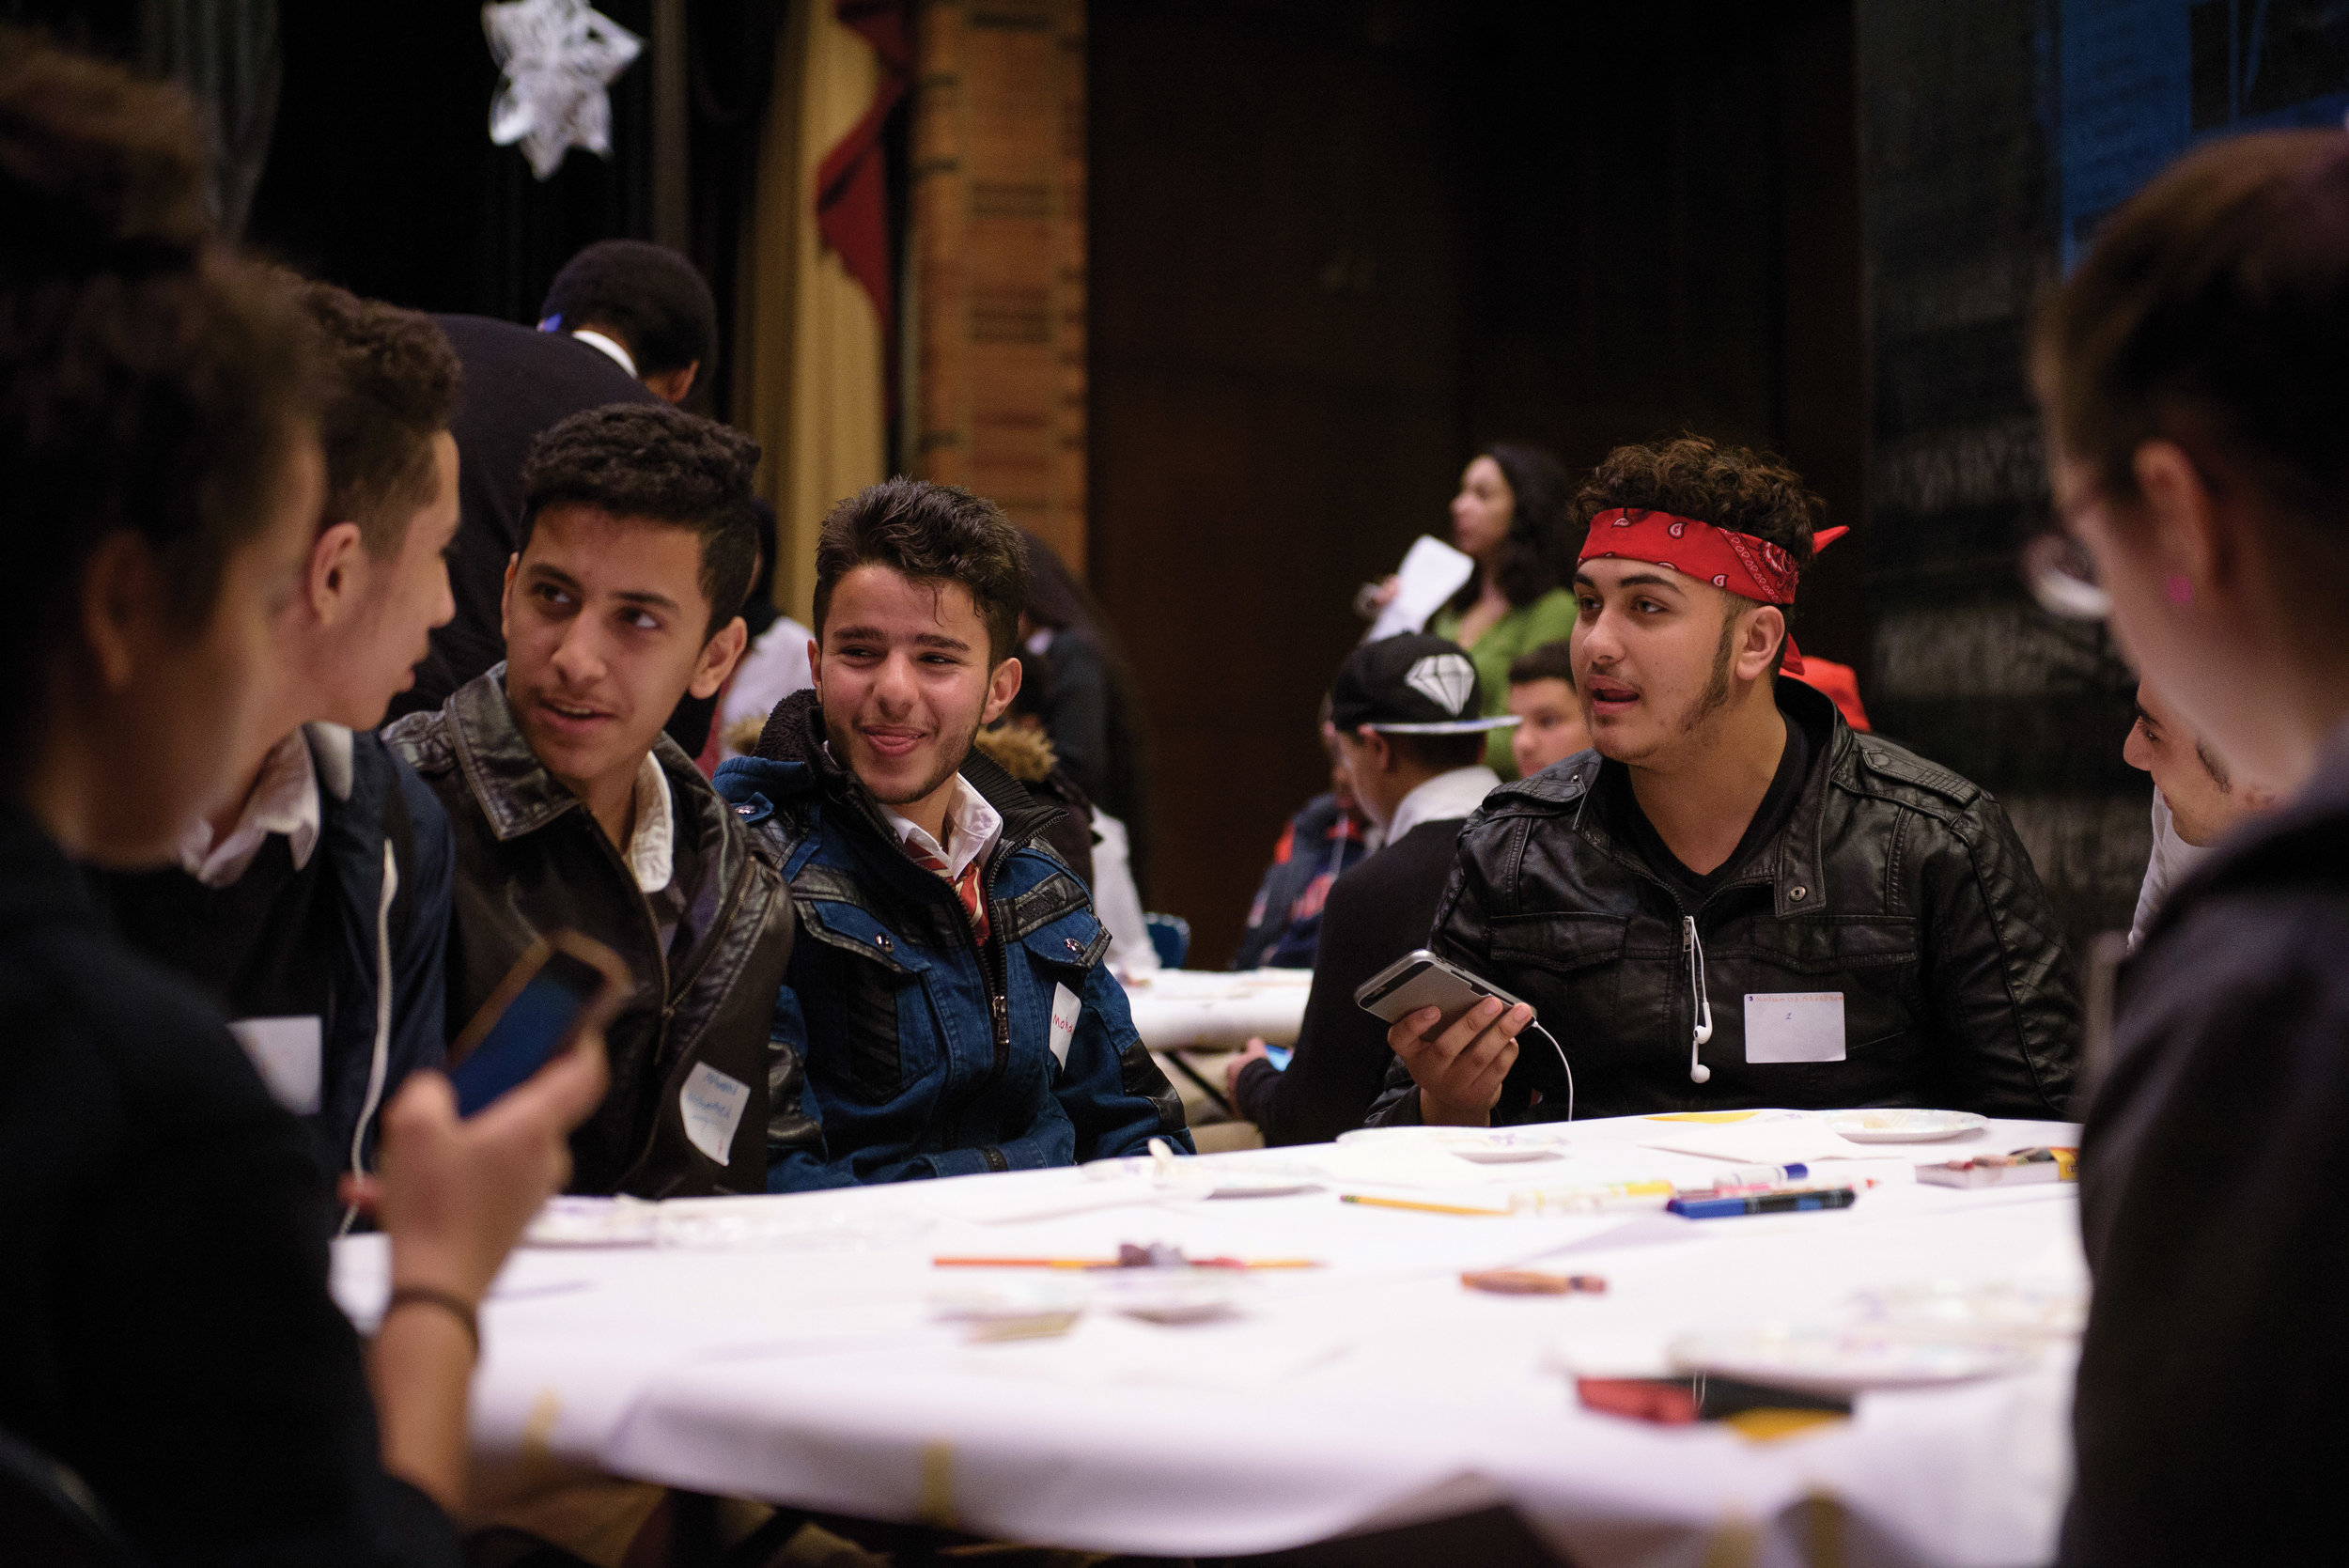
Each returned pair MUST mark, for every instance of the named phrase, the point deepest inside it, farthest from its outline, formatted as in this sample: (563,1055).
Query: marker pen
(1763,1202)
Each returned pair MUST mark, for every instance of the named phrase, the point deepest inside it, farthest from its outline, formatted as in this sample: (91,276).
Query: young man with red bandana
(1734,899)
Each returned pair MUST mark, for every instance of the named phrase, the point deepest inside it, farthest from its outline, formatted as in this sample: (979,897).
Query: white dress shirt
(1443,797)
(284,799)
(972,827)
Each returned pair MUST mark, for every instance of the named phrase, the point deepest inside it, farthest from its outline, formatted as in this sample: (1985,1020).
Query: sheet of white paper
(1794,1026)
(1432,572)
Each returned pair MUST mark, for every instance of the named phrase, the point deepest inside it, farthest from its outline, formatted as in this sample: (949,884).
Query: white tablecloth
(1189,1009)
(1375,1389)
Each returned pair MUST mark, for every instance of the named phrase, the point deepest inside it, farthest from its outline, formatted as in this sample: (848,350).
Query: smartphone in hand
(1421,979)
(566,984)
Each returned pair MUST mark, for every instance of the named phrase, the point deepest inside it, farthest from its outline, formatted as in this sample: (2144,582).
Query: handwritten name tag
(286,1052)
(1794,1026)
(712,1102)
(1066,1006)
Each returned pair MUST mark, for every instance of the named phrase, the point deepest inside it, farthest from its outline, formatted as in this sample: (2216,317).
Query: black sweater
(1376,912)
(164,1324)
(2214,1369)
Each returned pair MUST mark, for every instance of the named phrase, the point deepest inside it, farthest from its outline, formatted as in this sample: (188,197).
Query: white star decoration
(558,57)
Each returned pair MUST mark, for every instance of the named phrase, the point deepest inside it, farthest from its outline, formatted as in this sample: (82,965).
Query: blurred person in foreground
(2195,801)
(1329,834)
(1409,720)
(165,1328)
(313,903)
(1507,517)
(1674,901)
(2194,372)
(1549,712)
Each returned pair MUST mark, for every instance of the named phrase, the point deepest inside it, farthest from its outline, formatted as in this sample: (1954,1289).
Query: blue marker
(1763,1202)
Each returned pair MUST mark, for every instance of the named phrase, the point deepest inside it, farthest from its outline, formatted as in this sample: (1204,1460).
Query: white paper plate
(1898,1124)
(996,1297)
(1838,1361)
(593,1223)
(1483,1145)
(2020,1312)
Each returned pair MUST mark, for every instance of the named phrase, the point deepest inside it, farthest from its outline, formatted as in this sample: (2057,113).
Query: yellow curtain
(809,374)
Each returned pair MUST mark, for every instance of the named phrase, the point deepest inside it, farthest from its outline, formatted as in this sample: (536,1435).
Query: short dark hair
(1438,753)
(1738,487)
(2213,309)
(660,464)
(148,379)
(654,297)
(1539,489)
(1552,660)
(393,386)
(931,534)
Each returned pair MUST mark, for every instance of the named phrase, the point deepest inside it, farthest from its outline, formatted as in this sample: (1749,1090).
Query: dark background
(1338,246)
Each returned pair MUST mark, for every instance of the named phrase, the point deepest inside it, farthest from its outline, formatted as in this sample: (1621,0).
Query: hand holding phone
(1455,1032)
(562,986)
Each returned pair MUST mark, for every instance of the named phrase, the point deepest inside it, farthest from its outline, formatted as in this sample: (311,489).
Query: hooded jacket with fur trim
(924,1054)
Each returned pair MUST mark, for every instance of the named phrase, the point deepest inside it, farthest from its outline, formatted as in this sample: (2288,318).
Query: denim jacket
(923,1054)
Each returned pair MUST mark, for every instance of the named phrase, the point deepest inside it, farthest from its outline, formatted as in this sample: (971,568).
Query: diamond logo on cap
(1443,678)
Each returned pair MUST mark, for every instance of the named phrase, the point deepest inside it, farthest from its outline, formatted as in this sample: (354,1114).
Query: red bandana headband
(1723,556)
(1740,563)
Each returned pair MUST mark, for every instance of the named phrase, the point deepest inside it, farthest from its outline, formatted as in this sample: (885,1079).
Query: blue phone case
(528,1032)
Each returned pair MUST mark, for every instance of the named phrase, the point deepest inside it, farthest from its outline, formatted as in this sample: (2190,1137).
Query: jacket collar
(795,735)
(515,791)
(1792,864)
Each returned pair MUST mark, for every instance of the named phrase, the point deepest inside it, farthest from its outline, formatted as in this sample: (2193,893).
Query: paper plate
(1941,1308)
(732,1224)
(593,1223)
(1483,1145)
(1837,1361)
(1899,1125)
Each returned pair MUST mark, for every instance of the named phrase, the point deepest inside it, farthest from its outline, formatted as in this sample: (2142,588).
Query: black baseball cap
(1413,685)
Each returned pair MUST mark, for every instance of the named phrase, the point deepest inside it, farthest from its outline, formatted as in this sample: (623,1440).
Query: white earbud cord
(1700,1001)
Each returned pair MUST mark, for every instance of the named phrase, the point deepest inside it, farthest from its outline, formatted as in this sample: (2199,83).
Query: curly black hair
(931,534)
(653,297)
(660,464)
(1530,555)
(395,382)
(1729,486)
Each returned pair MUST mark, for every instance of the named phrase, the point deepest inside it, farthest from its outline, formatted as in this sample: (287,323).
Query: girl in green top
(1506,517)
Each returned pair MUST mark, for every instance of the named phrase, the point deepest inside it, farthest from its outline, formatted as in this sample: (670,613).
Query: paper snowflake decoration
(559,57)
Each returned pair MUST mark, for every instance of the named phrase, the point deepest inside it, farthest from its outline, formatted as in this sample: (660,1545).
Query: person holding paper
(1507,519)
(320,887)
(1734,899)
(574,810)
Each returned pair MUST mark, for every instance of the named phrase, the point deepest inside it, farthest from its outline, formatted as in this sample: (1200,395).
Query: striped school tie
(966,888)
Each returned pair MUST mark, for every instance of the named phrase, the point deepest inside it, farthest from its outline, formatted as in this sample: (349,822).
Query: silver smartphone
(1421,979)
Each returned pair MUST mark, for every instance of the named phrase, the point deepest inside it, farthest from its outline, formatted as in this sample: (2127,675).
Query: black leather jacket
(1895,881)
(530,860)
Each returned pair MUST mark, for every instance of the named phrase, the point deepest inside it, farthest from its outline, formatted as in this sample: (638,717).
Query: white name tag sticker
(713,1104)
(1794,1026)
(1064,1010)
(286,1052)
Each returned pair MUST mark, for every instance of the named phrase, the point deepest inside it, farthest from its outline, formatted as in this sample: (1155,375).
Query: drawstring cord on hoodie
(381,1067)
